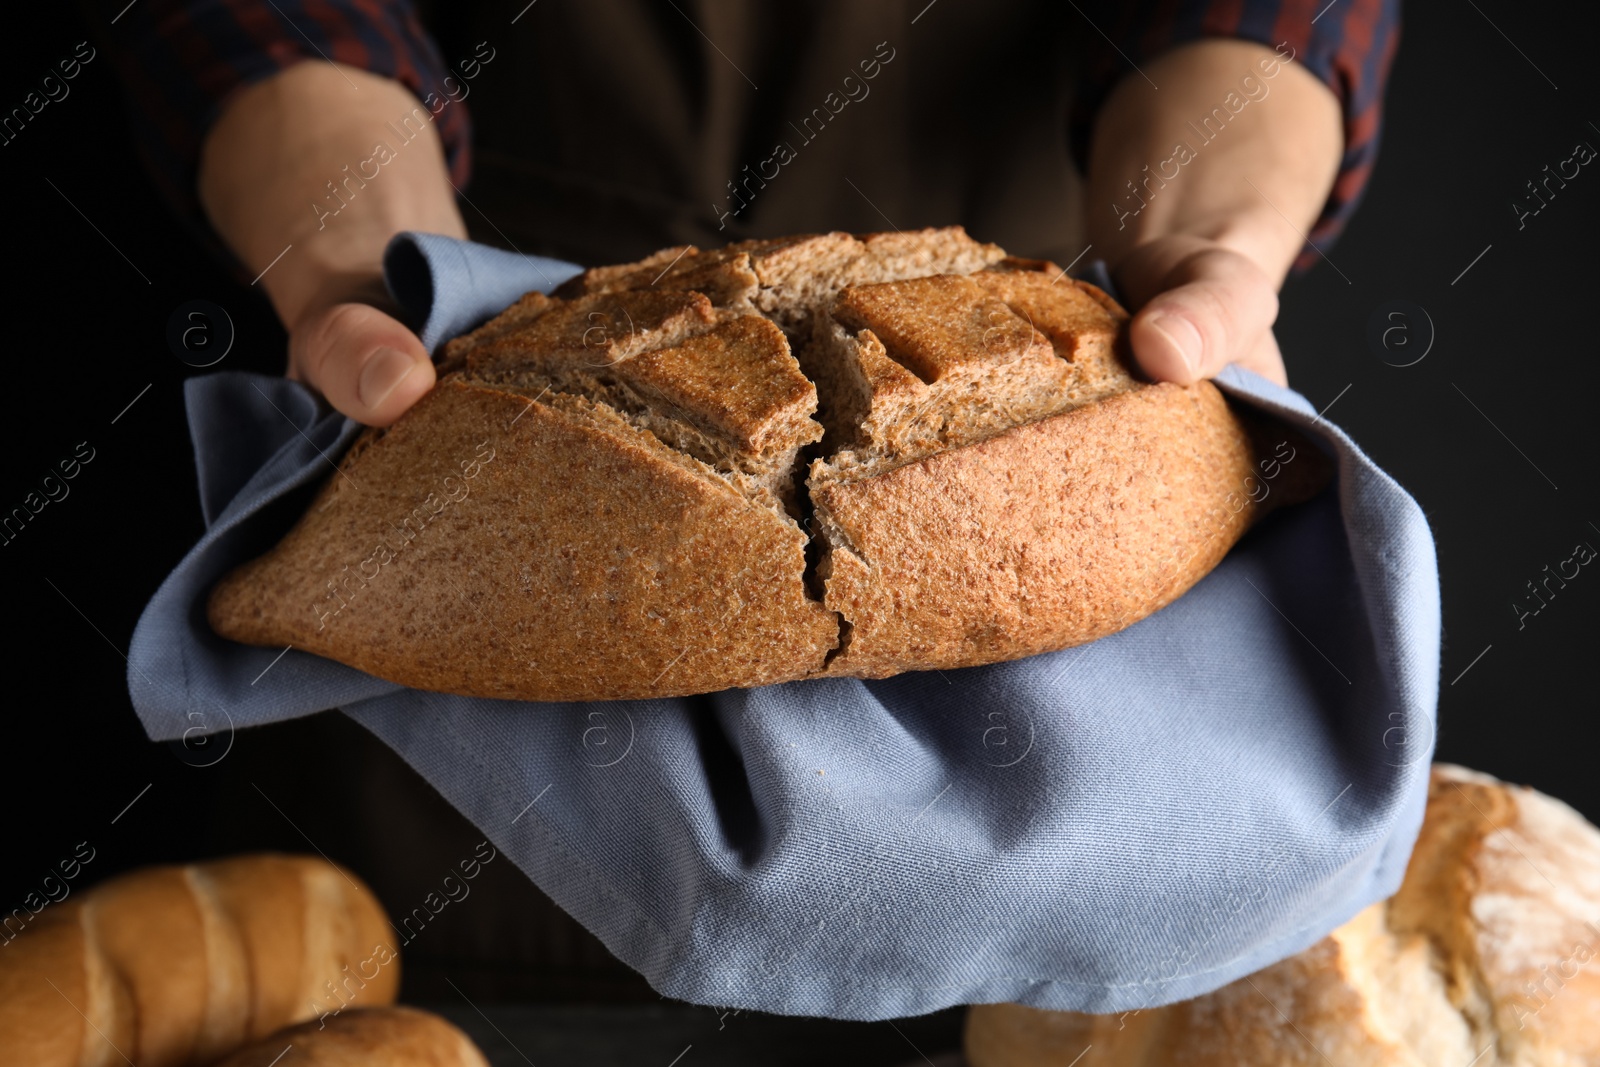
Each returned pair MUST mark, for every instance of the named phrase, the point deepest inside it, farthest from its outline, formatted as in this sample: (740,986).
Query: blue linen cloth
(1115,826)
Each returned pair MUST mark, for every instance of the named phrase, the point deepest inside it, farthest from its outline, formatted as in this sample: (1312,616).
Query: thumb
(368,365)
(1211,308)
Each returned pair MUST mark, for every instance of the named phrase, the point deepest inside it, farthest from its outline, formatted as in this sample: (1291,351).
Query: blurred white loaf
(1486,957)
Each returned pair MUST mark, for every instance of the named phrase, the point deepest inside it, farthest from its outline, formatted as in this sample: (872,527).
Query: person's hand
(1200,306)
(1200,230)
(363,360)
(318,247)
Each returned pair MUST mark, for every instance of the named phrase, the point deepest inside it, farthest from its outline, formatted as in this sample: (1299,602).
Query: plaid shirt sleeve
(181,60)
(1347,44)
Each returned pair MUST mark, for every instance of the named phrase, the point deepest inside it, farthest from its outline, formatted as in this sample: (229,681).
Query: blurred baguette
(390,1037)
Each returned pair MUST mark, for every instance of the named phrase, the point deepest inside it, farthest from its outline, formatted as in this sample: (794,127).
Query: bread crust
(658,519)
(393,1037)
(586,560)
(1118,524)
(172,966)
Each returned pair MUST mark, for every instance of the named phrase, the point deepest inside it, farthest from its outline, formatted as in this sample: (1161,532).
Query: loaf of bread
(171,966)
(817,456)
(1484,958)
(365,1037)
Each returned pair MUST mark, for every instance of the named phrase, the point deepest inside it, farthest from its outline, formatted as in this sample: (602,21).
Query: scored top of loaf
(886,347)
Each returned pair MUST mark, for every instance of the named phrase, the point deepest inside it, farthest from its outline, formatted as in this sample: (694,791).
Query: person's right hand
(367,364)
(267,181)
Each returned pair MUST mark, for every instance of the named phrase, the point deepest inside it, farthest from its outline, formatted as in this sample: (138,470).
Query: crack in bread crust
(903,354)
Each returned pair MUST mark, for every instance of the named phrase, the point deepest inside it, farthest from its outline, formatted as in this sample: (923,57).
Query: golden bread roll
(365,1037)
(170,966)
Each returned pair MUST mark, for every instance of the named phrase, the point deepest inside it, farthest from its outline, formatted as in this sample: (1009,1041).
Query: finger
(1214,307)
(368,365)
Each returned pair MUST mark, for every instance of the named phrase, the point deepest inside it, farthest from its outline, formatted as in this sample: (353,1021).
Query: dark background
(1493,432)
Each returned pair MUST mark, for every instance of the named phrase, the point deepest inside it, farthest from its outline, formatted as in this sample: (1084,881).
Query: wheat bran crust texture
(826,455)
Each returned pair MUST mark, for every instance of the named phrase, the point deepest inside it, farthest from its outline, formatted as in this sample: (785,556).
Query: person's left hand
(1199,251)
(1200,307)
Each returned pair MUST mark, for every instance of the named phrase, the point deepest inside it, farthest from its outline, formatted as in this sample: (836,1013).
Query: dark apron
(607,129)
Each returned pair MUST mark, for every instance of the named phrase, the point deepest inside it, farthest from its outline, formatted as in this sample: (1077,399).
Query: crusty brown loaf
(171,966)
(364,1037)
(814,456)
(1484,957)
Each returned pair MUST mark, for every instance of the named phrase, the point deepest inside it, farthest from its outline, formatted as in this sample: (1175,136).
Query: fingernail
(386,368)
(1181,335)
